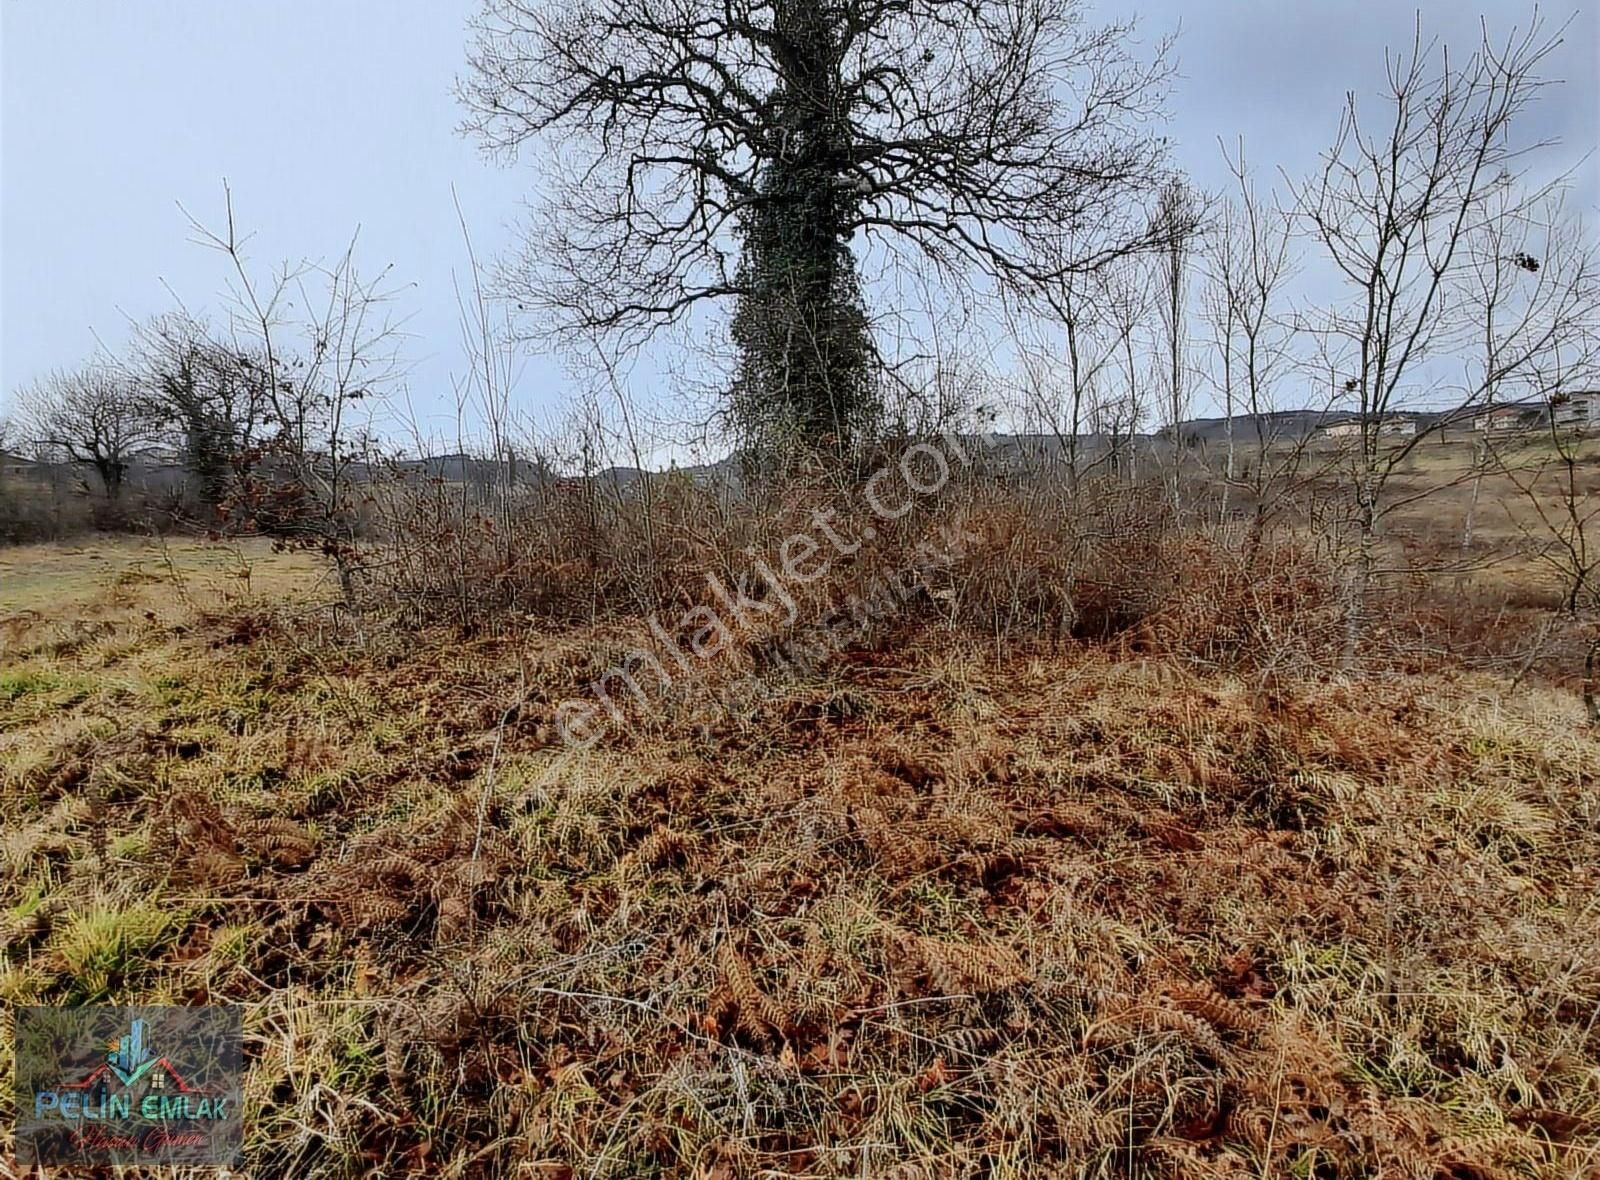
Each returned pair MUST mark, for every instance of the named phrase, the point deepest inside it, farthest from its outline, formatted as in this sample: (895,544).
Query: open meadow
(1071,908)
(816,589)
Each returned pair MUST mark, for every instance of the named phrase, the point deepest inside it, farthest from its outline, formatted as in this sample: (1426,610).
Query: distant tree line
(263,416)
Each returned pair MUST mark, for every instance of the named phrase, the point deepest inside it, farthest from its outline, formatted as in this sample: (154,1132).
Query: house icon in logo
(129,1058)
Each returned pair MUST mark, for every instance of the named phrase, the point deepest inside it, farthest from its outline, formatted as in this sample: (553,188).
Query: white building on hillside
(1574,411)
(1392,428)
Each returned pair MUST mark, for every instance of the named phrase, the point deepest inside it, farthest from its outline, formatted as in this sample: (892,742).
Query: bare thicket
(1393,209)
(1536,298)
(1532,299)
(1564,535)
(1255,363)
(319,342)
(1074,370)
(1121,411)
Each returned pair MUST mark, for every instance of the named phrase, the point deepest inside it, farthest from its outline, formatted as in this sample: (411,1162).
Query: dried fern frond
(661,847)
(1191,1028)
(281,841)
(394,865)
(956,968)
(358,911)
(456,917)
(213,868)
(973,1042)
(757,1013)
(1212,1006)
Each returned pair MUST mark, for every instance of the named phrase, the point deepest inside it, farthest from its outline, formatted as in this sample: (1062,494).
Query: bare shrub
(1020,557)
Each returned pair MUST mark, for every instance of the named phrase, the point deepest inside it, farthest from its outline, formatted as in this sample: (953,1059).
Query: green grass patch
(20,683)
(105,948)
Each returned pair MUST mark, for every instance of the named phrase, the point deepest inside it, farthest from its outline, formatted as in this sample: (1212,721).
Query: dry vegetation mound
(1066,910)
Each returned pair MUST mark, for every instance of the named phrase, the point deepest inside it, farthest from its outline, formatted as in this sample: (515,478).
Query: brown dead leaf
(934,1076)
(830,1055)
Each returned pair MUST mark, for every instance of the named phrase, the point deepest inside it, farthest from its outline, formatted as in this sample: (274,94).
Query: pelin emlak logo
(129,1059)
(161,1088)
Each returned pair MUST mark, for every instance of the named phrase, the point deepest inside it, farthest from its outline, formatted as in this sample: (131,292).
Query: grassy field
(1063,911)
(1433,493)
(70,579)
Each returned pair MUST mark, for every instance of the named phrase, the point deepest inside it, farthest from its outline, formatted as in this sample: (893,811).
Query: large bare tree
(213,393)
(94,417)
(703,150)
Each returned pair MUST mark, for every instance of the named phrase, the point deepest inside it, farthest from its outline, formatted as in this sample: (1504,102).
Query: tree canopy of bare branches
(968,135)
(213,398)
(1394,209)
(312,345)
(94,416)
(1251,259)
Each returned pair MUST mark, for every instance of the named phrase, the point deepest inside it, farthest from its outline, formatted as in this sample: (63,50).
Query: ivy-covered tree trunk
(806,359)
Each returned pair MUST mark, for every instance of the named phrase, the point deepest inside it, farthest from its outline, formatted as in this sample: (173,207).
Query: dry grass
(940,908)
(70,580)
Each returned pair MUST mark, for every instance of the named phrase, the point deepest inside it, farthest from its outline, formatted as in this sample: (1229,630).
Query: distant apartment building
(1577,409)
(1508,419)
(1574,411)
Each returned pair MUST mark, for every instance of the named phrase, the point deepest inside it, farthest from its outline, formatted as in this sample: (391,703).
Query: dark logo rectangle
(114,1085)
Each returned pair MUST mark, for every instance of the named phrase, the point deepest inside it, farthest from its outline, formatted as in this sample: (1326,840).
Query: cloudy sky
(326,115)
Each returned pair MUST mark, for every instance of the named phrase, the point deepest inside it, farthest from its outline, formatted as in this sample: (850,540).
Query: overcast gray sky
(328,114)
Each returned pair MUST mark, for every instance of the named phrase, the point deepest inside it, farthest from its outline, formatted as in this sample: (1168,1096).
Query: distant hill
(1008,449)
(1277,424)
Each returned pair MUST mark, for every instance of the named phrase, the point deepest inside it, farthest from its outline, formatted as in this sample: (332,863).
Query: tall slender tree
(1177,221)
(1395,208)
